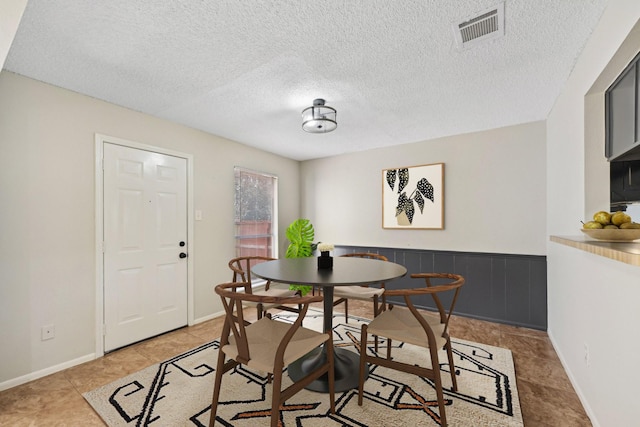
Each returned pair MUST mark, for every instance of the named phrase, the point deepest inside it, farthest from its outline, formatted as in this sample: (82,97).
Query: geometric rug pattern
(177,392)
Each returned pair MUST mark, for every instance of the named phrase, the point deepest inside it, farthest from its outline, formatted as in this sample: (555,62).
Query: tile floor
(546,395)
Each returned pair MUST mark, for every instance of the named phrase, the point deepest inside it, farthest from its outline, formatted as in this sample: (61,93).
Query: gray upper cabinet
(622,118)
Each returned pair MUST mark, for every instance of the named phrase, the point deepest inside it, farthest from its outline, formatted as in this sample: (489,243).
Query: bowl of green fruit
(612,227)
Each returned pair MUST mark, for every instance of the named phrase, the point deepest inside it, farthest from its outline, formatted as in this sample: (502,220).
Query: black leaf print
(425,188)
(391,178)
(409,210)
(420,201)
(401,202)
(403,175)
(408,198)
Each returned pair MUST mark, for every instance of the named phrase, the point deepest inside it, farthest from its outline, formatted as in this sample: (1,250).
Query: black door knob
(183,255)
(182,243)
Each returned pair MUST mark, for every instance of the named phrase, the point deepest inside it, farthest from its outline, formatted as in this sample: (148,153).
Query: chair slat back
(233,294)
(368,255)
(435,288)
(453,284)
(241,267)
(234,320)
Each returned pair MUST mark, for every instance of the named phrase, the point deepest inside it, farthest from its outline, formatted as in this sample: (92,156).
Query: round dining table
(346,271)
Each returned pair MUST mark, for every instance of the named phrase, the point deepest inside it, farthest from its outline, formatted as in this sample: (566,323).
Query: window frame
(273,234)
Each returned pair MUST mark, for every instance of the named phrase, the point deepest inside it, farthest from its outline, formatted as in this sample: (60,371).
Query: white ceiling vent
(479,27)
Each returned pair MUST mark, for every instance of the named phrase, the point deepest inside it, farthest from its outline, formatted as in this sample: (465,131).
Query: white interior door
(145,241)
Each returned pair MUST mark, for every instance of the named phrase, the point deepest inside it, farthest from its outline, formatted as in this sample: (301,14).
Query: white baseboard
(574,383)
(209,317)
(62,366)
(257,285)
(44,372)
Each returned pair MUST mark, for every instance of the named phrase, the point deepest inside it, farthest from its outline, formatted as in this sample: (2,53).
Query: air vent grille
(480,26)
(488,24)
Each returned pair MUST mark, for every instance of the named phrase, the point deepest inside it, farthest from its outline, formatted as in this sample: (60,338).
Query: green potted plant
(300,234)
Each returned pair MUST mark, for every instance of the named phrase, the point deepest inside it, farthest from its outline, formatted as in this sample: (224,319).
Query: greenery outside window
(256,217)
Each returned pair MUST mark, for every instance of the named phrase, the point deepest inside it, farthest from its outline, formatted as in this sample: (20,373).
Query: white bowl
(612,234)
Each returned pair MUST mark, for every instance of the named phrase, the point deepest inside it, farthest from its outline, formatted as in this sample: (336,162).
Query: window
(256,214)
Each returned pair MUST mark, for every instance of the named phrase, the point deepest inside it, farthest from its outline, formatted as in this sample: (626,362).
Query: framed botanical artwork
(413,197)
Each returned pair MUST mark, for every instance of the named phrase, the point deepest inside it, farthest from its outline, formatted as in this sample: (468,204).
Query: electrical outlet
(48,332)
(587,356)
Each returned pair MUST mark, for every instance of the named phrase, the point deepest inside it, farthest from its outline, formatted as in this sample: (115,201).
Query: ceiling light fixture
(319,118)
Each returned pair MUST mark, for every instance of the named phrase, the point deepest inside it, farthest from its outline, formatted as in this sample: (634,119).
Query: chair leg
(275,399)
(260,311)
(376,311)
(452,367)
(216,388)
(363,357)
(346,310)
(435,365)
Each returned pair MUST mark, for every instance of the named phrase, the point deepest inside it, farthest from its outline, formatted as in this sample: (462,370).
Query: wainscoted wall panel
(517,294)
(538,289)
(503,288)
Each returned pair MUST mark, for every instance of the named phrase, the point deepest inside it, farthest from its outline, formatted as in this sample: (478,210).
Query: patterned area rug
(177,392)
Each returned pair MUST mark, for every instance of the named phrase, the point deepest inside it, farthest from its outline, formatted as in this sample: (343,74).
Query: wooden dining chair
(424,329)
(268,345)
(373,292)
(241,267)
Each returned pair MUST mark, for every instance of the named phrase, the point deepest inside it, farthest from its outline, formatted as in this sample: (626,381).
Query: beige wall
(592,301)
(495,199)
(47,227)
(10,15)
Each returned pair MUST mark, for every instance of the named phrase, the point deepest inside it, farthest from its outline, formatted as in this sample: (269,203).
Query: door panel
(130,220)
(167,295)
(129,294)
(145,219)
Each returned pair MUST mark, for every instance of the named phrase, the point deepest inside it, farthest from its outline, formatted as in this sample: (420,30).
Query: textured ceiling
(245,70)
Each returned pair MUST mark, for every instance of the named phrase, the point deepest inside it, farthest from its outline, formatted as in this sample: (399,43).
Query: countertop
(627,252)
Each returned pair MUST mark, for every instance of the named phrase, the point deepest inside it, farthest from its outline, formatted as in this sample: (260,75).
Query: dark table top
(346,271)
